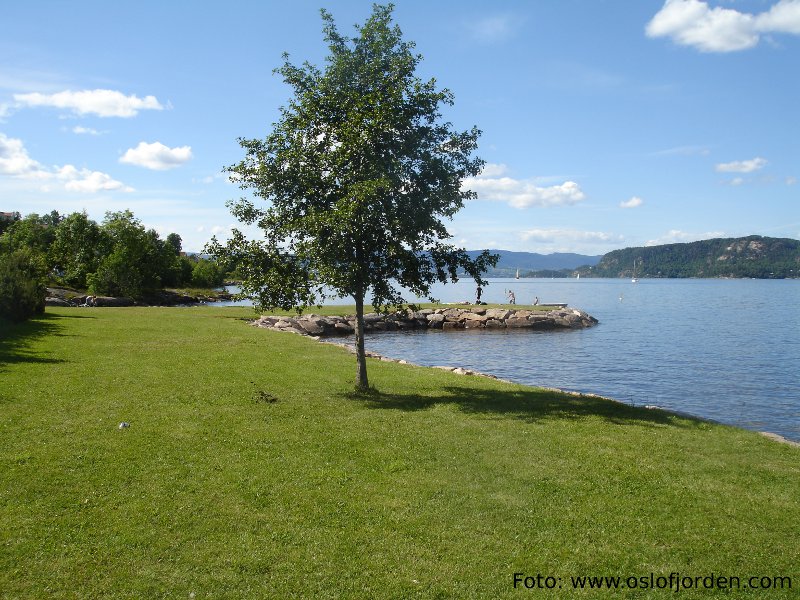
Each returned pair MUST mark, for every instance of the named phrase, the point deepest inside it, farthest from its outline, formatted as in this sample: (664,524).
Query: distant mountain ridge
(747,257)
(528,262)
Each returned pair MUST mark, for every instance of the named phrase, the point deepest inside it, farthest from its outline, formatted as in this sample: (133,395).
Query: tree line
(117,257)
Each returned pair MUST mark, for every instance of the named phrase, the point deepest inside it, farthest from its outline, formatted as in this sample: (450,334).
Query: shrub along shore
(251,468)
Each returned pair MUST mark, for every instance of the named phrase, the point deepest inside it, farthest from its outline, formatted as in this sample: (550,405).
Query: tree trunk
(362,384)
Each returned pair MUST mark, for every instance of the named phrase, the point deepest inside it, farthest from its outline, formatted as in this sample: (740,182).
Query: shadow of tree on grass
(17,339)
(529,405)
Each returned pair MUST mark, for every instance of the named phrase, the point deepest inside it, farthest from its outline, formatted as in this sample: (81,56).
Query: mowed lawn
(251,469)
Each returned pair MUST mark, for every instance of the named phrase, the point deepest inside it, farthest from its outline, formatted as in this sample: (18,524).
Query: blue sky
(606,124)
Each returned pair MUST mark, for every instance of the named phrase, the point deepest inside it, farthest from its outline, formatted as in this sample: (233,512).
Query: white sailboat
(634,279)
(517,273)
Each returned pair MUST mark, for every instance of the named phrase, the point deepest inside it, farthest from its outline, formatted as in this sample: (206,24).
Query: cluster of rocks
(440,318)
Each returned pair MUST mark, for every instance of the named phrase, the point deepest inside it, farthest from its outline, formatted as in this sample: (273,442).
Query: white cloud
(103,103)
(694,23)
(791,180)
(783,17)
(157,156)
(493,170)
(14,159)
(742,166)
(634,202)
(737,181)
(675,236)
(15,162)
(85,180)
(521,193)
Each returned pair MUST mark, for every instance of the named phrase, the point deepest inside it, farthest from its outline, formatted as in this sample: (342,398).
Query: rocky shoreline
(67,297)
(448,319)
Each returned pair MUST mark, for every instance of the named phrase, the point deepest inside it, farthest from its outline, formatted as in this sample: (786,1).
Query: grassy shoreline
(251,469)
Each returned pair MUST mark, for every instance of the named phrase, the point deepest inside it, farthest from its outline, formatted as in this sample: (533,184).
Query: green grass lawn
(250,469)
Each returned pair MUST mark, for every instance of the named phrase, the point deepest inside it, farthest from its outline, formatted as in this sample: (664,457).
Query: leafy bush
(135,262)
(185,270)
(117,275)
(22,285)
(206,273)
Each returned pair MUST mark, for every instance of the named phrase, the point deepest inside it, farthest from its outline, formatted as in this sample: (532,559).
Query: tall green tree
(359,175)
(77,249)
(133,262)
(32,233)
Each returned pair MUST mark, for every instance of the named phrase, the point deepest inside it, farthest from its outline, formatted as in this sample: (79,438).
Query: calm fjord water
(727,350)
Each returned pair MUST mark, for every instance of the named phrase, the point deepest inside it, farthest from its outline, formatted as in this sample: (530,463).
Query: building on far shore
(7,219)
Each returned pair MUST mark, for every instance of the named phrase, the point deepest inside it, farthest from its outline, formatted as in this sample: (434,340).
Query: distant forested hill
(527,262)
(753,256)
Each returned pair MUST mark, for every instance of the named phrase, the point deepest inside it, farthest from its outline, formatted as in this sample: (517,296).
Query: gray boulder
(56,302)
(112,301)
(312,326)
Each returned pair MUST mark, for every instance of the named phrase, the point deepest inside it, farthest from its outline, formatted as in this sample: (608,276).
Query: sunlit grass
(251,469)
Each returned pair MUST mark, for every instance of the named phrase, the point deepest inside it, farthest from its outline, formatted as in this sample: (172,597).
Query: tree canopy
(359,175)
(117,257)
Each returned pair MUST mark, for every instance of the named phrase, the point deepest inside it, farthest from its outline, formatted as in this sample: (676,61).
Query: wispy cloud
(683,151)
(493,185)
(103,103)
(157,156)
(86,131)
(558,235)
(742,166)
(571,240)
(571,75)
(694,23)
(493,29)
(676,236)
